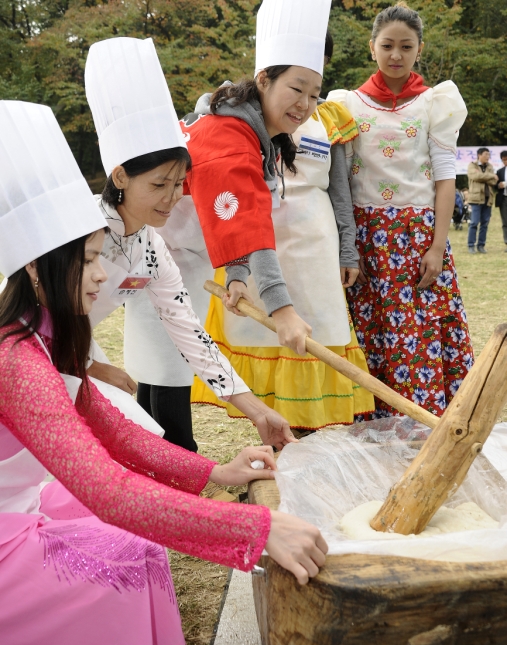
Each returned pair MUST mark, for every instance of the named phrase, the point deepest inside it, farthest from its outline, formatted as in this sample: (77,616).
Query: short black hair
(481,150)
(145,163)
(503,154)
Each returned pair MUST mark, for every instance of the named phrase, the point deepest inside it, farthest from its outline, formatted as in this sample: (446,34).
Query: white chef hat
(45,201)
(130,101)
(292,32)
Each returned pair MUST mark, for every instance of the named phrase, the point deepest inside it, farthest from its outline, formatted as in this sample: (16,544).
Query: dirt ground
(199,585)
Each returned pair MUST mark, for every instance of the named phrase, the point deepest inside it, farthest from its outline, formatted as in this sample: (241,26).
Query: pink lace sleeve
(139,450)
(35,406)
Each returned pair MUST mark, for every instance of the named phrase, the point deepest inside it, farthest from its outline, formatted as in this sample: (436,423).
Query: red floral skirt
(415,340)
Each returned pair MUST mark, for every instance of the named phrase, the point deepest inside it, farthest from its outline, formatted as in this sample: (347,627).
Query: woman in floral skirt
(407,308)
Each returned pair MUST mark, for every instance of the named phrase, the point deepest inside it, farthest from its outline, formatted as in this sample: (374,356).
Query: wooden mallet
(457,437)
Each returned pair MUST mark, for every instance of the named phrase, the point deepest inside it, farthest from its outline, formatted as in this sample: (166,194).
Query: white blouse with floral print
(145,253)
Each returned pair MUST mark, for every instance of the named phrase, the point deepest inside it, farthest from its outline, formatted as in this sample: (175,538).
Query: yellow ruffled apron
(308,393)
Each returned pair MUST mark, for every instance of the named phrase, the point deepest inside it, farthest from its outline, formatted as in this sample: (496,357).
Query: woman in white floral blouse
(145,158)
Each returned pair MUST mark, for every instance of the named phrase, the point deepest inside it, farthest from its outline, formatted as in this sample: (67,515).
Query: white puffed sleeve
(340,96)
(447,113)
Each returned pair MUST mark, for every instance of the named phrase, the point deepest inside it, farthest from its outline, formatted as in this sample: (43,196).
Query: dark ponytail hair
(60,275)
(145,163)
(400,12)
(246,90)
(328,47)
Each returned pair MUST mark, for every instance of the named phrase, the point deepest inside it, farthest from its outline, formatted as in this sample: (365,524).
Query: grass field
(199,585)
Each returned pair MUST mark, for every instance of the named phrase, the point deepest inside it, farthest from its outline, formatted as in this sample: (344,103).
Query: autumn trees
(201,43)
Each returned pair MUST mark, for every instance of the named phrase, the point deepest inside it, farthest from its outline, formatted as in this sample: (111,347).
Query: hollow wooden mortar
(379,600)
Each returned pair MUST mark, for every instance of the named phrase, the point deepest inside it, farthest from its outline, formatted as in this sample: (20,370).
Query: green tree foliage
(44,44)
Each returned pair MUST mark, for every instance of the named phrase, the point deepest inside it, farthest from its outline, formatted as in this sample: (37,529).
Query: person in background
(481,181)
(501,195)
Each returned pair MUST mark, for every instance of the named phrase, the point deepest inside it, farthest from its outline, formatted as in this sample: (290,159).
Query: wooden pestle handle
(338,363)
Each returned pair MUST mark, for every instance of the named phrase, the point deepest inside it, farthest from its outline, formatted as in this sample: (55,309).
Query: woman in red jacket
(239,152)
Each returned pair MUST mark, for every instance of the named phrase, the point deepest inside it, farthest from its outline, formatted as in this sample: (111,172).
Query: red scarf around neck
(376,87)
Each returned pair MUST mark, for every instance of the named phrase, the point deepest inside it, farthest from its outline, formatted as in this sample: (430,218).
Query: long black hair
(60,274)
(246,90)
(145,163)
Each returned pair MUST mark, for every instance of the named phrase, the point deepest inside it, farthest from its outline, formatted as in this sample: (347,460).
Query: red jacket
(227,185)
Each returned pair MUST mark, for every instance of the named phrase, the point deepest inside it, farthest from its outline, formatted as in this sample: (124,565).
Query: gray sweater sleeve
(339,193)
(267,273)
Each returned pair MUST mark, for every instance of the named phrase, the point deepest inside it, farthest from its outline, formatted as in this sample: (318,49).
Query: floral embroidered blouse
(123,474)
(145,253)
(391,163)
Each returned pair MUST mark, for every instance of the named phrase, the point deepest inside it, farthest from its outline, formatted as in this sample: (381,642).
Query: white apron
(150,355)
(307,247)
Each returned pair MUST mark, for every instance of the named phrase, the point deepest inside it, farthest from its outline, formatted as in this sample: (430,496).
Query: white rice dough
(465,517)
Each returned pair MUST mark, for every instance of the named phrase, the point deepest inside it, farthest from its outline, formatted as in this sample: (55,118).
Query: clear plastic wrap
(331,472)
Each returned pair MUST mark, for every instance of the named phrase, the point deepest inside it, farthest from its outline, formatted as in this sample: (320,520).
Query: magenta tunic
(82,559)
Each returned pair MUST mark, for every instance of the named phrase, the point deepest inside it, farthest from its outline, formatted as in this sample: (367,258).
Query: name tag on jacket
(316,149)
(131,286)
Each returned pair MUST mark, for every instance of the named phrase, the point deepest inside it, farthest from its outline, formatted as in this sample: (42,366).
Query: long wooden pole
(447,454)
(338,363)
